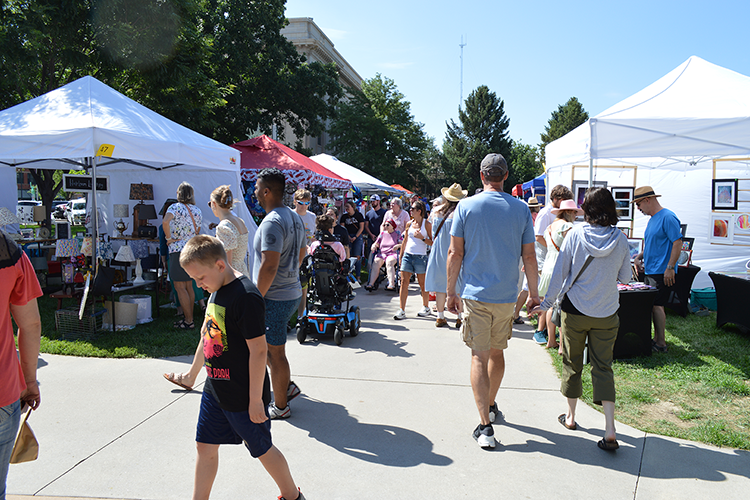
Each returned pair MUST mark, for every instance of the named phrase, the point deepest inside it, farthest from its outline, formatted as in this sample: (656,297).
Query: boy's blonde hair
(203,249)
(303,195)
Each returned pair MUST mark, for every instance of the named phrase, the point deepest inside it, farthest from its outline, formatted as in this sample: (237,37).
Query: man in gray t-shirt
(280,245)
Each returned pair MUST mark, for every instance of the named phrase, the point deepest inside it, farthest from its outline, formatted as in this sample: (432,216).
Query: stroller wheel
(338,335)
(301,331)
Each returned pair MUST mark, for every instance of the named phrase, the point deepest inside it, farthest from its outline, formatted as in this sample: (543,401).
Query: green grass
(149,340)
(699,390)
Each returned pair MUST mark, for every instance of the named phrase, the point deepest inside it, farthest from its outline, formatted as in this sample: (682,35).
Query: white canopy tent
(668,136)
(362,180)
(64,128)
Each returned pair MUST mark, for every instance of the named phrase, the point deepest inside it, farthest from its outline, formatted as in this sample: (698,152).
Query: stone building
(310,40)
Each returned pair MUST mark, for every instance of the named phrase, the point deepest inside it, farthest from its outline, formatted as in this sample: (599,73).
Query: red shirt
(19,286)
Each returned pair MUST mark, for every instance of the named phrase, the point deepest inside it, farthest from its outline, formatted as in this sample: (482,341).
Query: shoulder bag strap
(552,239)
(440,226)
(585,265)
(195,227)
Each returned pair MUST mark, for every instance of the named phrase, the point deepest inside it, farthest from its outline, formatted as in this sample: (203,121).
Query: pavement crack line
(408,382)
(640,465)
(116,439)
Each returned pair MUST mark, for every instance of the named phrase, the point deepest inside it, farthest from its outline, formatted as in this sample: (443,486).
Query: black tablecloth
(634,336)
(731,300)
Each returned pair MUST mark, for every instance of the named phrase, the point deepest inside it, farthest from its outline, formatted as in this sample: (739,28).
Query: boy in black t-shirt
(237,391)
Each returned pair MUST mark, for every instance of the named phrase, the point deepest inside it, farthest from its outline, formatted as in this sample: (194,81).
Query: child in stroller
(326,268)
(387,246)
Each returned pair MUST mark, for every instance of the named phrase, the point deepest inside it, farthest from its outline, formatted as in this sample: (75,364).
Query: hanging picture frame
(724,194)
(623,202)
(742,223)
(687,243)
(635,246)
(580,188)
(721,229)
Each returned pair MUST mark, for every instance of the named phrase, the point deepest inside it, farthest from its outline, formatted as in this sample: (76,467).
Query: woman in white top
(231,229)
(414,257)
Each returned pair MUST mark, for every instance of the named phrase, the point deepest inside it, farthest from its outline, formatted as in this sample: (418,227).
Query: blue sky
(534,55)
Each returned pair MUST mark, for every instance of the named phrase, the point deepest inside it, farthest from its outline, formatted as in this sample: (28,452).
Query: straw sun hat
(454,193)
(533,202)
(644,192)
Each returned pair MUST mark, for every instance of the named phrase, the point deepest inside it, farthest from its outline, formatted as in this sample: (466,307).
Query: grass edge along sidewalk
(699,390)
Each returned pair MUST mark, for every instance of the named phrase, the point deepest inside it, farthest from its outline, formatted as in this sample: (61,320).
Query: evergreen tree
(567,117)
(483,129)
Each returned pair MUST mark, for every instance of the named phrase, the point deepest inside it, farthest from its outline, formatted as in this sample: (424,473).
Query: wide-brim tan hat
(567,205)
(644,192)
(454,193)
(533,202)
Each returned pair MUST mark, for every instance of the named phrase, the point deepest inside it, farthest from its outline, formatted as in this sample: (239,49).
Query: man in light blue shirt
(491,231)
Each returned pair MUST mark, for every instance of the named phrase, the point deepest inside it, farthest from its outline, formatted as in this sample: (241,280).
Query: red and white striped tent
(263,152)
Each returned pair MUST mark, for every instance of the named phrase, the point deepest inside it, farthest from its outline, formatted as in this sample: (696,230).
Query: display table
(634,335)
(678,298)
(732,292)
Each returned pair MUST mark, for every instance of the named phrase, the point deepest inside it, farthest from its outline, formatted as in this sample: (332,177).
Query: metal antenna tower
(462,45)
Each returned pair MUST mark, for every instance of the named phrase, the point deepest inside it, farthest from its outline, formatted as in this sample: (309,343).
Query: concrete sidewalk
(387,415)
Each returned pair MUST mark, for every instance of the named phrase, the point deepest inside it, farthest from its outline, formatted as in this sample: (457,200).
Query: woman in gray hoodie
(590,304)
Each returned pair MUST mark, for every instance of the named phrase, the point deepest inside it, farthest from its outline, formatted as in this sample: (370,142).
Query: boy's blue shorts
(217,426)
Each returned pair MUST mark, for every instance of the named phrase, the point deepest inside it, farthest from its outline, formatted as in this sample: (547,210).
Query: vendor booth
(535,187)
(688,136)
(361,180)
(86,125)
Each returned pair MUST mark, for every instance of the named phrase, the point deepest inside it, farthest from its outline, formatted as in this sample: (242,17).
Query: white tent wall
(165,184)
(685,189)
(9,194)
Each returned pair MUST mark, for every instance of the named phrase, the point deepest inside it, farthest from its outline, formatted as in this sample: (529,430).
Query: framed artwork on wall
(635,246)
(623,197)
(687,243)
(721,229)
(742,223)
(724,194)
(580,188)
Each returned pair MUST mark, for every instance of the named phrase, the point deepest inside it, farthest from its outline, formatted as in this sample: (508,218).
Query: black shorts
(665,292)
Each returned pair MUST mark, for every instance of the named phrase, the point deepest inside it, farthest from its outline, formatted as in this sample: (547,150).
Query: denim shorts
(278,313)
(416,264)
(10,418)
(217,426)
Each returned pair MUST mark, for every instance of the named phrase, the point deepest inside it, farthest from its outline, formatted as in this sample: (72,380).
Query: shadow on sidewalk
(367,341)
(332,425)
(662,458)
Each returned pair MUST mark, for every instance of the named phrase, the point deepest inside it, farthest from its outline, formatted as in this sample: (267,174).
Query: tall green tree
(375,130)
(482,129)
(219,67)
(523,164)
(567,117)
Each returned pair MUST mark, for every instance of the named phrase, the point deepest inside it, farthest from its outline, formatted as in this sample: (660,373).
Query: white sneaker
(425,312)
(400,315)
(274,412)
(485,437)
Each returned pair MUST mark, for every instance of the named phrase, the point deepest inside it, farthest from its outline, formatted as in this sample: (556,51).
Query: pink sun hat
(567,205)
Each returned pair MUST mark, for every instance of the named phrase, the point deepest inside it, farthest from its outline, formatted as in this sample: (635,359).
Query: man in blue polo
(491,231)
(661,249)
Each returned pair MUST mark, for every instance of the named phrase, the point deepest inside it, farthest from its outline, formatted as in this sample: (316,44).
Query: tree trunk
(45,182)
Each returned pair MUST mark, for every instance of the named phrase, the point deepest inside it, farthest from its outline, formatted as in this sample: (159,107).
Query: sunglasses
(415,208)
(303,202)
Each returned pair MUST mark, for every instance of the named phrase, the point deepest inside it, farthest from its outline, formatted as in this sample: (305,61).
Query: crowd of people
(484,257)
